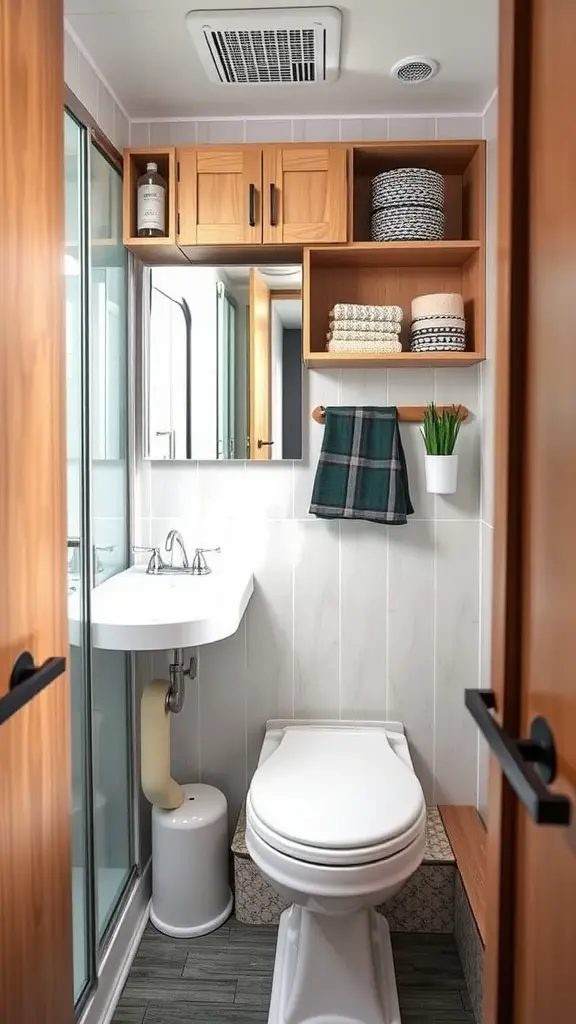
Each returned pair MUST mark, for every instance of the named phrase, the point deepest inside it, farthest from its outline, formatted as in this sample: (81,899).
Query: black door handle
(252,206)
(262,443)
(26,680)
(527,764)
(273,212)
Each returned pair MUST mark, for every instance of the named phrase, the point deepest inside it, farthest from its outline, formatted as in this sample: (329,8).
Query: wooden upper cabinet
(220,196)
(305,192)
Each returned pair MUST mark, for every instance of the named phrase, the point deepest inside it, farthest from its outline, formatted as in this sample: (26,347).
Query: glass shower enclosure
(95,268)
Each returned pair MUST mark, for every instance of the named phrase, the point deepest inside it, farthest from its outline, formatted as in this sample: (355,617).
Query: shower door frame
(97,946)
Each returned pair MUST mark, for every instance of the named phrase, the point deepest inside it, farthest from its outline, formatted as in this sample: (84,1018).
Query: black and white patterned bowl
(439,344)
(425,333)
(423,322)
(409,186)
(409,223)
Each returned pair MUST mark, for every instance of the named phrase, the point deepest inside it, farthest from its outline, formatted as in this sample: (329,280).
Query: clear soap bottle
(151,205)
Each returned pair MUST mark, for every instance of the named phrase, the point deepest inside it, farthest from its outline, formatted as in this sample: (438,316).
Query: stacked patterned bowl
(438,323)
(407,205)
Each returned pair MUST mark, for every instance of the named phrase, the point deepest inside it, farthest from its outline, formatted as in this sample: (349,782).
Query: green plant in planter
(441,429)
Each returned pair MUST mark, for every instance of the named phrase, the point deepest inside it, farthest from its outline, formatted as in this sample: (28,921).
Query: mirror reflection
(222,363)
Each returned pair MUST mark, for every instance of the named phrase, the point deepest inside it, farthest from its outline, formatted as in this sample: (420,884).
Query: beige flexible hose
(157,784)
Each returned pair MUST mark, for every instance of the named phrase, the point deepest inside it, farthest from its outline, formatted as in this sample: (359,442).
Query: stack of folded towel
(438,323)
(369,329)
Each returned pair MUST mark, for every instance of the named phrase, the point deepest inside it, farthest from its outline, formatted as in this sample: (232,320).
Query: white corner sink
(134,611)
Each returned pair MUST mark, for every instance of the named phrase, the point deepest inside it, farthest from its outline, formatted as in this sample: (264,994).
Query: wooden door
(260,369)
(305,194)
(220,196)
(531,901)
(35,784)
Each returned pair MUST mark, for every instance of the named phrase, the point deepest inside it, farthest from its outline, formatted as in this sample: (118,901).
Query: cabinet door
(305,194)
(220,196)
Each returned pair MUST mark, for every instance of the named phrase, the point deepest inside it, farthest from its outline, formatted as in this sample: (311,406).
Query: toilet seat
(328,795)
(322,855)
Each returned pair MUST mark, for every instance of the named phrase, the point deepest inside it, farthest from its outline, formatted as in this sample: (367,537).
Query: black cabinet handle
(26,680)
(527,764)
(252,205)
(273,211)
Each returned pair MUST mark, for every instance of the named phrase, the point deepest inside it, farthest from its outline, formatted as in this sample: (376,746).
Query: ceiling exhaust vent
(414,70)
(270,46)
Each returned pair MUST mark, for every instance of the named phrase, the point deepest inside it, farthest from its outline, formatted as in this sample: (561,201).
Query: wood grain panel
(223,179)
(545,932)
(260,367)
(467,834)
(297,159)
(311,194)
(513,77)
(35,784)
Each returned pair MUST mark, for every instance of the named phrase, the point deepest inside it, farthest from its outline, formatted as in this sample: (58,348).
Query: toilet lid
(338,789)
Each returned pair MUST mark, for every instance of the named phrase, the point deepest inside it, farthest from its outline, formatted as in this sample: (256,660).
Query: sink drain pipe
(160,699)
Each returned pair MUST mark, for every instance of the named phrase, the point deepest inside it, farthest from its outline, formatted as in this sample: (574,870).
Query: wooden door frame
(509,511)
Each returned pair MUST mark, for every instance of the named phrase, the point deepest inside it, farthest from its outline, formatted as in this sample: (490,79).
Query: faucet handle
(156,563)
(200,566)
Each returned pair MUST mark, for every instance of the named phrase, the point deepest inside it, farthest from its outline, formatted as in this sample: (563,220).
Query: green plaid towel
(362,468)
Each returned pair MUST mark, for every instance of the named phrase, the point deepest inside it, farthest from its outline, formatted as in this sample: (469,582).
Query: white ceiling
(144,50)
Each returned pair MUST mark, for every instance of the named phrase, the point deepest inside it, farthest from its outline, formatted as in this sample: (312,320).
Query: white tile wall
(82,77)
(343,621)
(301,129)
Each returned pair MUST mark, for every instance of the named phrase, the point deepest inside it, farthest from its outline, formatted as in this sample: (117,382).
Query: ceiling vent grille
(413,70)
(281,46)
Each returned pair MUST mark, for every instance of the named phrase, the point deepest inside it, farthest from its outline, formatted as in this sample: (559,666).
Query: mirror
(222,363)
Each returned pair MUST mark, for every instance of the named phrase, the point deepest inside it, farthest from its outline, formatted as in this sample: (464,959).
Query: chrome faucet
(158,567)
(175,537)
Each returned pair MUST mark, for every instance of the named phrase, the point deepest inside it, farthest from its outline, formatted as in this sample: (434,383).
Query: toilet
(335,821)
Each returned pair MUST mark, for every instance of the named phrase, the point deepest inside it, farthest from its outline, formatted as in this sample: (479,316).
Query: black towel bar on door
(26,680)
(527,764)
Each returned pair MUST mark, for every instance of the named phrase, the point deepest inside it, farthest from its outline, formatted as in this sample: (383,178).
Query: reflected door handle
(252,206)
(529,765)
(26,680)
(262,443)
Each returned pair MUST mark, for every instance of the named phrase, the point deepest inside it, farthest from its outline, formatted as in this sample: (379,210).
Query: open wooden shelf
(351,360)
(153,251)
(462,165)
(392,273)
(357,270)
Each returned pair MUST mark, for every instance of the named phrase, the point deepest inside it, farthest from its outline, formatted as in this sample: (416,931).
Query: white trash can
(190,890)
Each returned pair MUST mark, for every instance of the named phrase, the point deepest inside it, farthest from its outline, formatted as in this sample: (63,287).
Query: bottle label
(151,207)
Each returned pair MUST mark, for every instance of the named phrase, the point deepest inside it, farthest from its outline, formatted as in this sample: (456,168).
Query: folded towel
(365,343)
(362,468)
(349,311)
(366,326)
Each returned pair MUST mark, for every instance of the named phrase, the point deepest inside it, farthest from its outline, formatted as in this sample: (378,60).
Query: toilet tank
(276,726)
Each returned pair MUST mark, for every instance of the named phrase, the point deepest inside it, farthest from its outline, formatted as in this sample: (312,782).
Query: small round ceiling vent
(415,69)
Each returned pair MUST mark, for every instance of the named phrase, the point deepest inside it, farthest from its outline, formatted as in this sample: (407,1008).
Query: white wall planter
(441,473)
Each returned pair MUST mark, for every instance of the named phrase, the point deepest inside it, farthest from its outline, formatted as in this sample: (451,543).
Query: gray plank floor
(226,978)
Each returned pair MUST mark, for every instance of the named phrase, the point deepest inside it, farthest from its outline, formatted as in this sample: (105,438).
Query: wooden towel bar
(406,413)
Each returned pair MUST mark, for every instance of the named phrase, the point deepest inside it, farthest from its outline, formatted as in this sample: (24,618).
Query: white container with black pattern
(407,224)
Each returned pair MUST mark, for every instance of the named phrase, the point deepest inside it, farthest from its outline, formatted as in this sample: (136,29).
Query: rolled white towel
(350,311)
(386,344)
(342,328)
